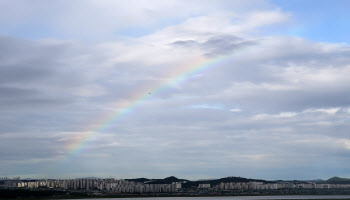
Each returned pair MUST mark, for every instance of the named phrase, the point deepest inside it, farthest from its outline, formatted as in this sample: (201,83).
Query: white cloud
(274,116)
(208,106)
(329,111)
(345,143)
(106,18)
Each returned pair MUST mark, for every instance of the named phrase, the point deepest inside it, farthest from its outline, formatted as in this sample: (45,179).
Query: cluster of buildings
(274,186)
(125,186)
(113,185)
(6,178)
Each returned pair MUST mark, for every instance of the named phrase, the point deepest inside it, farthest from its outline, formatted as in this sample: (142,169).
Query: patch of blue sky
(321,20)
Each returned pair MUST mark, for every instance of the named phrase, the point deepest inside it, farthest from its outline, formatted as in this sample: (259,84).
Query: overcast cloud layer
(276,106)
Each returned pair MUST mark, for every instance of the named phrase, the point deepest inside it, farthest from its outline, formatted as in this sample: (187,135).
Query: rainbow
(177,76)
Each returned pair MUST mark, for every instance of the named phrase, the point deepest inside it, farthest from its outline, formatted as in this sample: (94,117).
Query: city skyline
(195,89)
(172,184)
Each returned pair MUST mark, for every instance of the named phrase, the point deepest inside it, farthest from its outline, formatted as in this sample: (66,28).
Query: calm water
(243,197)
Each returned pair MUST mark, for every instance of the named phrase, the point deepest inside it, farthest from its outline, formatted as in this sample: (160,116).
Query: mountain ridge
(194,183)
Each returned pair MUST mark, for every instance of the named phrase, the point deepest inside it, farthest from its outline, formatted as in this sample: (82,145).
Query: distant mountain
(333,180)
(232,179)
(167,180)
(237,179)
(188,183)
(28,179)
(338,180)
(90,177)
(315,181)
(141,180)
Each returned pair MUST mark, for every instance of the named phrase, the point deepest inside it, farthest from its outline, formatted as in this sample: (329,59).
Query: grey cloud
(10,92)
(217,45)
(42,72)
(186,43)
(23,73)
(226,44)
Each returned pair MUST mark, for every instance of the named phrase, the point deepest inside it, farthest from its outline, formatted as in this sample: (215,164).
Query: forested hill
(335,180)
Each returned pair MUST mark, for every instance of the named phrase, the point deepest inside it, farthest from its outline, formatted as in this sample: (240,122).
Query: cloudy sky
(194,89)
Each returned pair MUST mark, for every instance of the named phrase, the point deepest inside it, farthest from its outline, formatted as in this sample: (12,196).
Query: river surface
(239,197)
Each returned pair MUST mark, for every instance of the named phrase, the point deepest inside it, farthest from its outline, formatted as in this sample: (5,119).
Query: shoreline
(60,194)
(184,196)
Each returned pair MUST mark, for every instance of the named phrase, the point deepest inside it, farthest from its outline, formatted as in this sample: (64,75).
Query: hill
(338,180)
(188,183)
(232,179)
(167,180)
